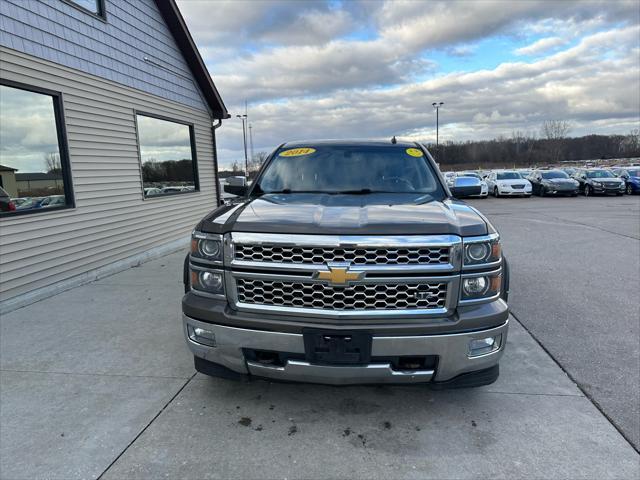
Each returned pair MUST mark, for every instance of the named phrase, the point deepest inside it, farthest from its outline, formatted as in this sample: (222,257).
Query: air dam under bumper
(451,349)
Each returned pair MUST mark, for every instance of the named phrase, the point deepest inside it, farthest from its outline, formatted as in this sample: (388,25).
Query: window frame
(63,148)
(100,15)
(192,143)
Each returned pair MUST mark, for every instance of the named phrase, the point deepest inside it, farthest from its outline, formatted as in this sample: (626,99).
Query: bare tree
(555,131)
(631,142)
(52,162)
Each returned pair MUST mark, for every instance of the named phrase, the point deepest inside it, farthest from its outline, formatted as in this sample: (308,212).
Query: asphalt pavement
(575,286)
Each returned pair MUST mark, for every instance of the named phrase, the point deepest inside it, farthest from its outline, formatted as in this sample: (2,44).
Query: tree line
(525,150)
(551,146)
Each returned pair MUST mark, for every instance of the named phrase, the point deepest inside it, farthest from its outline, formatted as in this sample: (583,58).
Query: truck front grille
(358,297)
(356,256)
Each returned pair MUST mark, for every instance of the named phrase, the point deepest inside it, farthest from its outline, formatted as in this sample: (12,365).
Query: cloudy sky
(369,69)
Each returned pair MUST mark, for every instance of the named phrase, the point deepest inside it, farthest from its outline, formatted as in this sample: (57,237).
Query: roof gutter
(214,127)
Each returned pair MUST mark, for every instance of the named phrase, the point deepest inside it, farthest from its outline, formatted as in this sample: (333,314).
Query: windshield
(508,176)
(634,172)
(599,174)
(357,169)
(554,174)
(469,174)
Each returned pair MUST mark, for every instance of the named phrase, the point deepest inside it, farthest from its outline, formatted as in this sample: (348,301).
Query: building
(107,126)
(8,180)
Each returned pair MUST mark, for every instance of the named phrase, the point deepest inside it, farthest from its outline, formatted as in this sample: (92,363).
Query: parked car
(599,181)
(449,177)
(631,177)
(569,171)
(509,183)
(552,182)
(151,191)
(52,201)
(6,204)
(484,187)
(175,189)
(26,203)
(339,265)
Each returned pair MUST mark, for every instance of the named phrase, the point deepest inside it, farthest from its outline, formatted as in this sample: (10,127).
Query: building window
(95,7)
(167,156)
(33,152)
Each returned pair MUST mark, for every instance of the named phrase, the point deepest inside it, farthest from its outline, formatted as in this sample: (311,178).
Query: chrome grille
(354,255)
(517,186)
(363,296)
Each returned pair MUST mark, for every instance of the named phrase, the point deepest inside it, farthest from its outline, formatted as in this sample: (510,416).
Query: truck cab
(348,262)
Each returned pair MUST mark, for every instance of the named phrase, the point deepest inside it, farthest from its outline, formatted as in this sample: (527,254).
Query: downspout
(214,127)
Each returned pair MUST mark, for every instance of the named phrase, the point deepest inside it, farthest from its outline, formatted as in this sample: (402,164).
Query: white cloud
(541,46)
(364,69)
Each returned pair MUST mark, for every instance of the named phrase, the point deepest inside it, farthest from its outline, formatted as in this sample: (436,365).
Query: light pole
(244,140)
(437,106)
(251,142)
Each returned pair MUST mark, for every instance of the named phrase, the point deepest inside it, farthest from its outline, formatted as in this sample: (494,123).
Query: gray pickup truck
(348,262)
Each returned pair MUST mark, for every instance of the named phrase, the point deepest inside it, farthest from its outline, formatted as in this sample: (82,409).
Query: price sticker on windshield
(414,152)
(297,152)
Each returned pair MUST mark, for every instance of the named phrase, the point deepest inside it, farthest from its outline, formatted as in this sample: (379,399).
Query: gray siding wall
(111,220)
(114,50)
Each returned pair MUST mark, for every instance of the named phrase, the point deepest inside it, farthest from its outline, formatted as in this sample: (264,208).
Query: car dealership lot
(97,380)
(576,264)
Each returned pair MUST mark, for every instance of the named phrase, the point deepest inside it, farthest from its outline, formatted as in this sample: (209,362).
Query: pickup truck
(348,262)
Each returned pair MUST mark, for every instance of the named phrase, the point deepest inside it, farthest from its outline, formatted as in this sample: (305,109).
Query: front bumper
(561,191)
(451,350)
(608,190)
(515,193)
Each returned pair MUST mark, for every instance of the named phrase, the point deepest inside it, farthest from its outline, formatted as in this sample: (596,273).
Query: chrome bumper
(452,352)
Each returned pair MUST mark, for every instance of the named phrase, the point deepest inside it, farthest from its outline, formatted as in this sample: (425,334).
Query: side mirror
(236,186)
(465,187)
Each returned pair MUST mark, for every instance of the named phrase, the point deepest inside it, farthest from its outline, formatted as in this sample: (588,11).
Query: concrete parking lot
(96,382)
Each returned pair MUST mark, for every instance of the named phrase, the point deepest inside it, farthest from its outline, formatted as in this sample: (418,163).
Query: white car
(449,178)
(484,193)
(508,183)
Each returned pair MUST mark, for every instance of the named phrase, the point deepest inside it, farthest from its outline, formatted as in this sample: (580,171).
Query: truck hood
(373,214)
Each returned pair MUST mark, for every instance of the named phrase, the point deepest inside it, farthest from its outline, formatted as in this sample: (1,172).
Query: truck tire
(185,275)
(504,291)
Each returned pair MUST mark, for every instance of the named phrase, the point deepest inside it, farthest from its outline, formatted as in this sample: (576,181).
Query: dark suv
(599,181)
(348,262)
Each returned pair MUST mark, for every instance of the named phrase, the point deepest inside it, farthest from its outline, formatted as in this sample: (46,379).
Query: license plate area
(329,347)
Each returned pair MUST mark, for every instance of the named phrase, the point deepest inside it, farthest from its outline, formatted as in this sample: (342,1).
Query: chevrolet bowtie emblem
(338,275)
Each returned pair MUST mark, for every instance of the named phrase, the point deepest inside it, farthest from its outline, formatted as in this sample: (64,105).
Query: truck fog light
(200,335)
(482,346)
(211,281)
(475,287)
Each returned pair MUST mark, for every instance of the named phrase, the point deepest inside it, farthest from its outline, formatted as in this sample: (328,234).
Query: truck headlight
(205,246)
(481,250)
(478,287)
(207,281)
